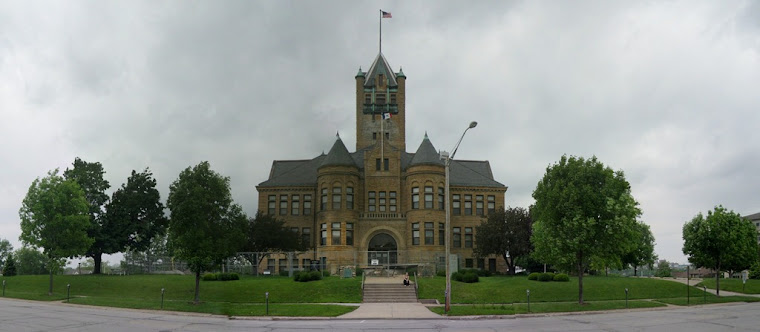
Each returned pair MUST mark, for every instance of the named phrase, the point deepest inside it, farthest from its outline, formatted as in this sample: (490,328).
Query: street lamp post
(447,163)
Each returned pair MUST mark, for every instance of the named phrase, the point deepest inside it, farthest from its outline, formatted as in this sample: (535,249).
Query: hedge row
(220,276)
(306,276)
(548,276)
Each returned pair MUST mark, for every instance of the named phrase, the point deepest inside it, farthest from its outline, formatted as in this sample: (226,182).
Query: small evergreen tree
(9,269)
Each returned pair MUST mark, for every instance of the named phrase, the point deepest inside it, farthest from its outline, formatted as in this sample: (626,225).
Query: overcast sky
(667,91)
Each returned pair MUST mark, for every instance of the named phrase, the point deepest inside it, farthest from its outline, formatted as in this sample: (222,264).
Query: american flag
(386,15)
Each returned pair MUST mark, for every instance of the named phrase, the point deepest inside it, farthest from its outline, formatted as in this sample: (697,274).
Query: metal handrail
(416,291)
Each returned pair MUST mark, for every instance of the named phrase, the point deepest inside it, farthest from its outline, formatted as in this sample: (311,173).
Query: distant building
(381,204)
(755,219)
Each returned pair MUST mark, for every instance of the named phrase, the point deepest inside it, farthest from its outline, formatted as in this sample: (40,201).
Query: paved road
(19,315)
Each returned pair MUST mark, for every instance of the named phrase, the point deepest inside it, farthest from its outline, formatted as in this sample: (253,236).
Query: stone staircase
(394,292)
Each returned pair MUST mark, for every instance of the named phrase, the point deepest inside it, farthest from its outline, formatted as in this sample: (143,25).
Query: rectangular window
(374,136)
(428,197)
(392,201)
(306,263)
(306,205)
(468,263)
(491,203)
(416,233)
(456,237)
(415,198)
(429,233)
(468,205)
(323,238)
(441,233)
(381,201)
(387,135)
(468,237)
(371,201)
(479,205)
(393,98)
(335,233)
(272,205)
(492,264)
(377,164)
(481,264)
(440,198)
(336,198)
(306,236)
(367,98)
(323,202)
(456,205)
(270,264)
(380,99)
(294,230)
(350,198)
(386,164)
(282,264)
(349,234)
(283,205)
(295,205)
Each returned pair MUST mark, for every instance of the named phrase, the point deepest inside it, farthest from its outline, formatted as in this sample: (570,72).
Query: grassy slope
(513,289)
(734,285)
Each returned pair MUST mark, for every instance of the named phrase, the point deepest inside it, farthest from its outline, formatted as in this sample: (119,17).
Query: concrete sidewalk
(390,310)
(694,281)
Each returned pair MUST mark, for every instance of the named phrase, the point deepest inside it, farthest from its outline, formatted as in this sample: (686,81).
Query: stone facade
(381,202)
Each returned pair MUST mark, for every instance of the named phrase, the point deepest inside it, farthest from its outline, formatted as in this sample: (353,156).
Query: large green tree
(55,217)
(267,234)
(505,233)
(30,261)
(642,251)
(89,176)
(134,215)
(722,241)
(584,211)
(205,226)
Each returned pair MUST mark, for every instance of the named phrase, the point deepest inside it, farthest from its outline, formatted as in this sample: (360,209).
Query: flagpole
(381,30)
(382,138)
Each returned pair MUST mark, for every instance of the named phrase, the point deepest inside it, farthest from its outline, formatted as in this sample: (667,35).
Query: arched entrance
(382,247)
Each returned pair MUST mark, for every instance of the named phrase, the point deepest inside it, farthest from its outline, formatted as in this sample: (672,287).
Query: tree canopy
(30,261)
(55,217)
(205,226)
(134,215)
(505,233)
(642,251)
(89,176)
(266,233)
(6,250)
(584,211)
(722,241)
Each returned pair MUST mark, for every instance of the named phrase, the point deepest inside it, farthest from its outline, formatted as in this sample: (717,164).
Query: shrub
(561,277)
(306,276)
(283,273)
(209,277)
(359,271)
(548,276)
(533,276)
(441,273)
(470,277)
(457,276)
(227,276)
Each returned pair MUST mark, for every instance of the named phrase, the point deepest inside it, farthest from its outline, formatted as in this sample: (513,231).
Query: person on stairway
(406,280)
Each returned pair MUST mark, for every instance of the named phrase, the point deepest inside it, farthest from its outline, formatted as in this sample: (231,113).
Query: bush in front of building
(307,276)
(209,277)
(533,276)
(548,276)
(226,276)
(561,277)
(466,276)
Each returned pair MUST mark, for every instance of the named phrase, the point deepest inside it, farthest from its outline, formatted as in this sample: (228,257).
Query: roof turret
(380,66)
(338,155)
(426,154)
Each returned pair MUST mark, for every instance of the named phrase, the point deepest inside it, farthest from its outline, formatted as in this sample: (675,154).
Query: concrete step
(389,293)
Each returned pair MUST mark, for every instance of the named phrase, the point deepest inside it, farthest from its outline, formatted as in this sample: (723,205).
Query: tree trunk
(510,264)
(717,280)
(634,271)
(197,286)
(50,290)
(580,278)
(97,259)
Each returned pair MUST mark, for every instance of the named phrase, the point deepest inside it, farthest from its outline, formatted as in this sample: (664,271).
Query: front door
(382,248)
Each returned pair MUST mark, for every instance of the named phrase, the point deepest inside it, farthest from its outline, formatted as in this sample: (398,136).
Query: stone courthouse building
(381,204)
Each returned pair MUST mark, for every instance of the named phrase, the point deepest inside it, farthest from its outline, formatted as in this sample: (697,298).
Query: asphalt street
(20,315)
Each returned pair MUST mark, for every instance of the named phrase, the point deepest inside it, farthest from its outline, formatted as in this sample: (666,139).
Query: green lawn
(239,297)
(500,289)
(541,307)
(734,285)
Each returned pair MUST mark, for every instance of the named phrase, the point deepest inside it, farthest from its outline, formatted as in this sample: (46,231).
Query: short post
(162,298)
(704,295)
(3,288)
(445,308)
(626,298)
(528,292)
(68,292)
(688,275)
(267,298)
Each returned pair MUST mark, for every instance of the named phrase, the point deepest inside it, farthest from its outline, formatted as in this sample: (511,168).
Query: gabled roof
(426,154)
(753,217)
(338,155)
(473,173)
(380,66)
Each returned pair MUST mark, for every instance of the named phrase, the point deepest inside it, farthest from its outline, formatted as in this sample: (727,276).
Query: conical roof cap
(338,155)
(426,154)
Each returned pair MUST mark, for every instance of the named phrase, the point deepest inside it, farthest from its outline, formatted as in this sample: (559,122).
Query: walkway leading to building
(387,297)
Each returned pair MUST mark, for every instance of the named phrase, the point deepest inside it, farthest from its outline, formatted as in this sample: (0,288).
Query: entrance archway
(382,247)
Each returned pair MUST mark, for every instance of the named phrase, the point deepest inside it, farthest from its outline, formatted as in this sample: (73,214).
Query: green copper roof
(400,73)
(360,73)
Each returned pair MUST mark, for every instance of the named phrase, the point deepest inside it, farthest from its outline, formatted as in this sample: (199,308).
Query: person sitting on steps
(406,280)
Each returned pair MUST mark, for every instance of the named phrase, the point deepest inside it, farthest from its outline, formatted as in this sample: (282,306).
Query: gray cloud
(662,91)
